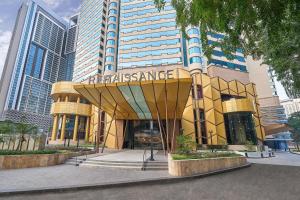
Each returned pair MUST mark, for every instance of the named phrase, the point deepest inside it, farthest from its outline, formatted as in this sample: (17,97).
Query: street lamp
(151,143)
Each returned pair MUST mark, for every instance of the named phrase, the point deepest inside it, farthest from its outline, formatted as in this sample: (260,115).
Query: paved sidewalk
(281,158)
(68,175)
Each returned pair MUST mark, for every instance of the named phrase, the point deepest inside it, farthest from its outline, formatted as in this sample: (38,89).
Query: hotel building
(35,60)
(143,74)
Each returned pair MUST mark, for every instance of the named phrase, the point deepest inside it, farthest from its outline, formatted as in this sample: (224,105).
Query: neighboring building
(35,60)
(291,106)
(262,75)
(289,88)
(70,48)
(91,39)
(218,57)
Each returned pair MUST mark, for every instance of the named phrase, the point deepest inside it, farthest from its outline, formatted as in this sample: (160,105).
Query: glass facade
(147,36)
(240,128)
(90,43)
(40,61)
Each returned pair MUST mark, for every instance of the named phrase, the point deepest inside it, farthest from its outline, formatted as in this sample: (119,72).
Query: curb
(295,153)
(117,184)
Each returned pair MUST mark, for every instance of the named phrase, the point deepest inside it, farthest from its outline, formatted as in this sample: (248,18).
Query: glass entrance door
(139,136)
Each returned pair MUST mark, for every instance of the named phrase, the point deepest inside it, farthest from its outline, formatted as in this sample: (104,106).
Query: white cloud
(4,44)
(53,3)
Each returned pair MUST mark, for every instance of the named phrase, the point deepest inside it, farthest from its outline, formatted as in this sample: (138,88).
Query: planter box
(199,166)
(33,160)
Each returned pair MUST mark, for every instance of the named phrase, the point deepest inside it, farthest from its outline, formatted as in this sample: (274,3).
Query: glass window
(112,26)
(112,18)
(108,67)
(193,31)
(111,34)
(110,50)
(194,40)
(196,59)
(110,42)
(109,59)
(113,4)
(112,11)
(194,50)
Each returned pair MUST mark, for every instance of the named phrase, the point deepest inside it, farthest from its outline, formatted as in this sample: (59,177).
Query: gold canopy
(155,99)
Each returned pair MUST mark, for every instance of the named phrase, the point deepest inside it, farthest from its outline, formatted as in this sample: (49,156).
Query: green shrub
(13,152)
(185,144)
(204,155)
(217,147)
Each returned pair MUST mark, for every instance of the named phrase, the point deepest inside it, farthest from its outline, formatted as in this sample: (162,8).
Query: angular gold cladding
(164,97)
(238,105)
(63,88)
(71,108)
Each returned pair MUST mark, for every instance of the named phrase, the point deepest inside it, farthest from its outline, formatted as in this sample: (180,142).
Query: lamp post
(151,144)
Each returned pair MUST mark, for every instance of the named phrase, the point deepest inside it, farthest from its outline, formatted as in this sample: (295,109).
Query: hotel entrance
(139,135)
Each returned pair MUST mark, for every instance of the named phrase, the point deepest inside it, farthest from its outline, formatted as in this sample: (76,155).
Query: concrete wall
(199,166)
(34,160)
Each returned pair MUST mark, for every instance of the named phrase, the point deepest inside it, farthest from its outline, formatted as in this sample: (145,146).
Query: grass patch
(203,155)
(13,152)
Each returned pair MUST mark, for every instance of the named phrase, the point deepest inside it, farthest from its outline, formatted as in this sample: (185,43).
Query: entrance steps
(148,165)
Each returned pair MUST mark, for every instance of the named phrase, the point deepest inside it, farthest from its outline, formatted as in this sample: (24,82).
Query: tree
(294,123)
(262,29)
(24,129)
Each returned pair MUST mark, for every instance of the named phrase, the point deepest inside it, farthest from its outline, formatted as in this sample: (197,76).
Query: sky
(64,8)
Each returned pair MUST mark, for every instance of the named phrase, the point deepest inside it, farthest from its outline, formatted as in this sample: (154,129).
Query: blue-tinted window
(110,50)
(112,18)
(30,59)
(194,50)
(108,67)
(38,63)
(111,34)
(112,26)
(113,11)
(193,31)
(195,60)
(113,4)
(194,40)
(110,42)
(228,64)
(109,59)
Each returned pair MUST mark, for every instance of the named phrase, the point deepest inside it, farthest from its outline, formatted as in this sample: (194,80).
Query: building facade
(209,109)
(291,106)
(262,75)
(141,72)
(91,39)
(35,61)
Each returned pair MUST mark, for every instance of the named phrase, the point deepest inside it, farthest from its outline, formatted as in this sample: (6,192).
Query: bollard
(246,154)
(261,155)
(270,155)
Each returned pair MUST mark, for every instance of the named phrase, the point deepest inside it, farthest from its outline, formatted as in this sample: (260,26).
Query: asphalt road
(256,182)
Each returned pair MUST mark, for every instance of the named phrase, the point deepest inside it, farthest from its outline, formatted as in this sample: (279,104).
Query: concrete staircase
(148,165)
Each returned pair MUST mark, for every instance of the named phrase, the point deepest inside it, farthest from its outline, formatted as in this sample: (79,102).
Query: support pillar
(87,129)
(75,133)
(54,128)
(63,127)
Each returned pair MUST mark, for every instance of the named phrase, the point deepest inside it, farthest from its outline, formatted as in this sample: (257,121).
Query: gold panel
(238,105)
(70,108)
(63,87)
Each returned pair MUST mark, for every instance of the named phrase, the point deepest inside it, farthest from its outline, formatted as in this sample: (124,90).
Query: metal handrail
(144,160)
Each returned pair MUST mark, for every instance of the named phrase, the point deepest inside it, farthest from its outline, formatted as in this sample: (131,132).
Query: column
(63,127)
(75,128)
(54,128)
(87,129)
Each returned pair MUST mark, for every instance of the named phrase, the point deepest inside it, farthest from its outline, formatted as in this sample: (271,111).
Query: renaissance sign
(131,77)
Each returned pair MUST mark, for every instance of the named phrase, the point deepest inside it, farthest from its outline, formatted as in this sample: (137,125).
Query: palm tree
(6,129)
(24,129)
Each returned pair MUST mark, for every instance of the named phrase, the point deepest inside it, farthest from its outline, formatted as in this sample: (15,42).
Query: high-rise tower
(91,39)
(35,60)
